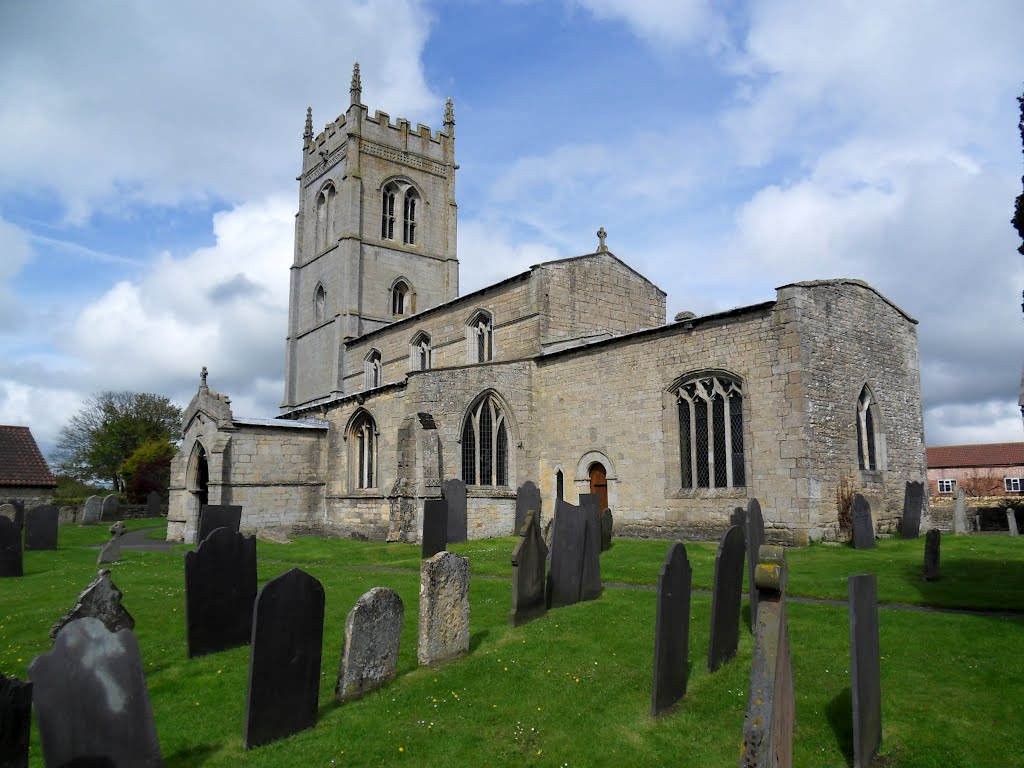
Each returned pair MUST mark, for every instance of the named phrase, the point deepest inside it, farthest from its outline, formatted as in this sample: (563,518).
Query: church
(569,375)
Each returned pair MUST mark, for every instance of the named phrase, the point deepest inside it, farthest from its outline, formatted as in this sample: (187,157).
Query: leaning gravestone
(607,526)
(865,668)
(726,599)
(932,544)
(672,631)
(92,511)
(863,527)
(528,560)
(41,527)
(590,586)
(565,574)
(284,660)
(214,516)
(10,512)
(15,721)
(960,511)
(220,589)
(771,704)
(444,608)
(435,528)
(1011,522)
(913,503)
(109,509)
(91,702)
(754,530)
(527,500)
(100,600)
(458,525)
(111,552)
(373,630)
(153,504)
(10,549)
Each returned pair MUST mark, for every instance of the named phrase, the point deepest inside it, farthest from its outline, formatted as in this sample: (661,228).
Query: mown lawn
(572,688)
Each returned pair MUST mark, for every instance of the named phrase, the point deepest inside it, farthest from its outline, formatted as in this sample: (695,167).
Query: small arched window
(485,444)
(420,353)
(409,229)
(363,451)
(711,433)
(401,298)
(481,338)
(324,216)
(387,214)
(374,369)
(867,430)
(320,304)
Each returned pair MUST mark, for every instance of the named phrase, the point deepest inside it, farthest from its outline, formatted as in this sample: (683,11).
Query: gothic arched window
(362,438)
(409,220)
(319,304)
(711,433)
(374,369)
(387,214)
(867,430)
(481,338)
(401,298)
(485,444)
(421,356)
(324,216)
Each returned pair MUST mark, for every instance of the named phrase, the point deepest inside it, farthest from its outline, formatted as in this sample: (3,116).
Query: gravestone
(754,538)
(66,516)
(101,599)
(92,511)
(153,504)
(444,608)
(455,494)
(41,527)
(214,516)
(913,503)
(726,598)
(1011,522)
(932,544)
(284,660)
(960,511)
(15,721)
(91,702)
(10,549)
(435,528)
(111,552)
(771,704)
(220,589)
(865,668)
(863,527)
(9,511)
(565,573)
(607,525)
(373,630)
(528,560)
(527,500)
(672,631)
(739,517)
(590,585)
(109,509)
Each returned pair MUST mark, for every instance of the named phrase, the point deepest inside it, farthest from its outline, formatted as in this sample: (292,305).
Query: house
(986,469)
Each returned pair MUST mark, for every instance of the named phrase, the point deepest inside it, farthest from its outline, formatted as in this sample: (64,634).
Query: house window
(324,216)
(867,430)
(409,229)
(363,447)
(711,433)
(485,445)
(420,353)
(1012,484)
(400,298)
(387,214)
(947,486)
(374,369)
(481,337)
(319,304)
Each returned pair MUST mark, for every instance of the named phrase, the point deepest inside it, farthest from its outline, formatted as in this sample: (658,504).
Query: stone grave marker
(101,599)
(111,552)
(444,608)
(527,500)
(932,544)
(607,527)
(153,508)
(565,573)
(1011,522)
(91,701)
(590,586)
(66,516)
(92,511)
(960,511)
(528,561)
(739,517)
(863,526)
(214,516)
(109,509)
(41,527)
(284,660)
(672,631)
(754,538)
(10,549)
(10,512)
(726,598)
(455,494)
(373,631)
(220,589)
(771,703)
(15,721)
(913,503)
(865,668)
(435,528)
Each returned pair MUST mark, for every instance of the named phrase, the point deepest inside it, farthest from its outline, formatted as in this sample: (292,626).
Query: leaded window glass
(485,445)
(711,433)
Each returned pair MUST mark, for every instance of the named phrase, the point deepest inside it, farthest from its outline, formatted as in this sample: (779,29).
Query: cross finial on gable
(601,235)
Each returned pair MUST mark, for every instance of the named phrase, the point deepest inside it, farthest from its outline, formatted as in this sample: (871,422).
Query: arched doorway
(599,483)
(200,476)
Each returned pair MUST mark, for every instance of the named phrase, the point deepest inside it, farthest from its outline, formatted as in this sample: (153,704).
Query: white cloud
(660,23)
(986,422)
(15,251)
(44,408)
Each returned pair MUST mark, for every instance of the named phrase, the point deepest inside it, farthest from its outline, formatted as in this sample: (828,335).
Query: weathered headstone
(373,630)
(19,511)
(672,631)
(111,552)
(15,721)
(865,668)
(284,660)
(863,526)
(771,704)
(91,702)
(214,516)
(92,511)
(458,526)
(739,517)
(607,527)
(220,589)
(726,598)
(932,545)
(527,500)
(435,528)
(528,561)
(913,503)
(444,608)
(101,599)
(66,516)
(110,508)
(960,511)
(565,574)
(590,584)
(153,504)
(754,536)
(9,511)
(10,549)
(1011,522)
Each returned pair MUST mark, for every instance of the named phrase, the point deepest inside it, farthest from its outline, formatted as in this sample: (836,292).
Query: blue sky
(148,153)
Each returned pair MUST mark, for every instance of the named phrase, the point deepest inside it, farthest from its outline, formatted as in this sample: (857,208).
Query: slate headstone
(528,560)
(754,530)
(458,526)
(590,585)
(101,599)
(91,702)
(444,609)
(672,631)
(865,668)
(1011,522)
(92,511)
(153,508)
(220,589)
(527,500)
(960,511)
(607,527)
(726,598)
(913,503)
(932,545)
(284,660)
(739,517)
(435,528)
(41,525)
(110,507)
(863,526)
(10,512)
(373,630)
(214,516)
(111,552)
(15,721)
(10,549)
(565,574)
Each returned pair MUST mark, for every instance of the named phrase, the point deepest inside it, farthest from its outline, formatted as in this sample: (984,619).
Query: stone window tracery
(409,220)
(400,298)
(481,338)
(325,206)
(867,431)
(421,356)
(402,196)
(374,369)
(711,433)
(485,445)
(363,447)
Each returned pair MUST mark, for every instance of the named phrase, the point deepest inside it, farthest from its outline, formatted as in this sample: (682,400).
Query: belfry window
(400,198)
(409,220)
(867,431)
(374,369)
(485,445)
(324,217)
(363,447)
(711,433)
(387,215)
(319,304)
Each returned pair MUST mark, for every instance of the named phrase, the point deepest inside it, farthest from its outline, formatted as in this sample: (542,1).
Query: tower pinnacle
(307,133)
(449,117)
(355,90)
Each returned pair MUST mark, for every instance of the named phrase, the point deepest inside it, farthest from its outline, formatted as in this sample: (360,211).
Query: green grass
(573,687)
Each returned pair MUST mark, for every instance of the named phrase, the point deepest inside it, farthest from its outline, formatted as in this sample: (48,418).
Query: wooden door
(599,484)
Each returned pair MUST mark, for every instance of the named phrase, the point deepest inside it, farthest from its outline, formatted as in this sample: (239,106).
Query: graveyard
(572,686)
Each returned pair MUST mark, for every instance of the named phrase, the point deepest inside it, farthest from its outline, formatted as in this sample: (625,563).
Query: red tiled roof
(983,455)
(21,463)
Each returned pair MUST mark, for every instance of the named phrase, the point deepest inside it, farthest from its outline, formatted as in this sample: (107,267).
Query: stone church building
(566,374)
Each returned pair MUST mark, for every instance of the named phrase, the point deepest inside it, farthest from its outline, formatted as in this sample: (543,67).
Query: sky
(148,154)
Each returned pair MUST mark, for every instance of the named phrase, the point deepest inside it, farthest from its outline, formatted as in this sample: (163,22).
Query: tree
(148,469)
(108,429)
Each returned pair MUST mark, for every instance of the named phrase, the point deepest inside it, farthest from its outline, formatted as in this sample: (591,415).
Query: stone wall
(31,496)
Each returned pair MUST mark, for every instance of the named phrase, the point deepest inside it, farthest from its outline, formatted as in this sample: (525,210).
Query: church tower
(375,238)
